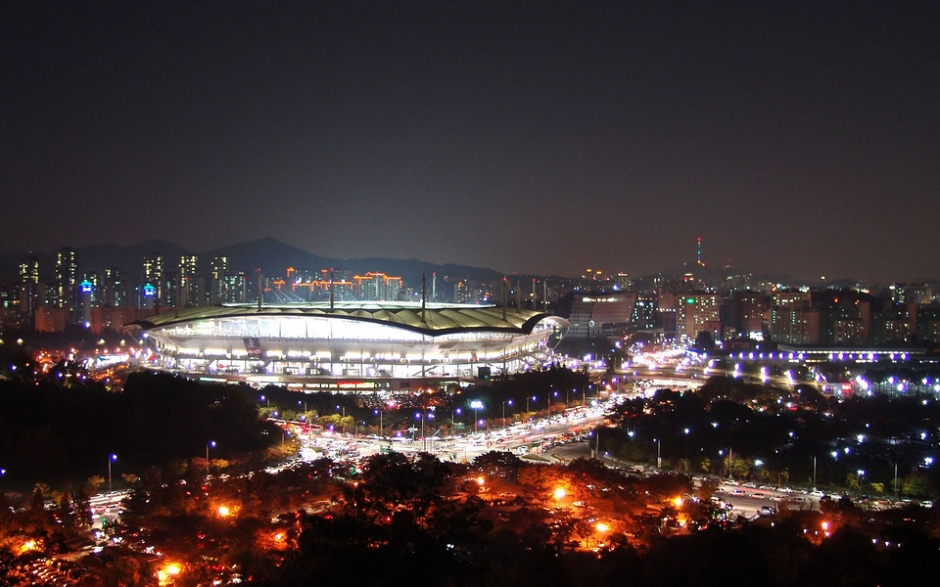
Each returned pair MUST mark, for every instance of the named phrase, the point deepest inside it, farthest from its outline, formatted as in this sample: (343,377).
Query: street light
(452,412)
(381,428)
(111,459)
(424,442)
(508,401)
(306,416)
(477,405)
(730,460)
(211,443)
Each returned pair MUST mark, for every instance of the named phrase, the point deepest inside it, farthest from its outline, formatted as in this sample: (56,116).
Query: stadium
(348,346)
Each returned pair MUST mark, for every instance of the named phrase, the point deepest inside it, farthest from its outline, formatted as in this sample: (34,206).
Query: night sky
(538,137)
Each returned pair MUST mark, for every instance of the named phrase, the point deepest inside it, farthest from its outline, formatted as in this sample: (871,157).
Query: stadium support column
(424,291)
(331,289)
(260,289)
(505,298)
(545,295)
(533,295)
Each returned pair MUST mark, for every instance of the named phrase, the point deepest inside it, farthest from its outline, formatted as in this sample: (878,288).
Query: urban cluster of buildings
(832,317)
(728,305)
(109,299)
(50,299)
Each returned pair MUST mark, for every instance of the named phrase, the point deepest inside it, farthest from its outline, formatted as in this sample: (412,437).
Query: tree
(707,488)
(498,464)
(704,341)
(82,505)
(93,483)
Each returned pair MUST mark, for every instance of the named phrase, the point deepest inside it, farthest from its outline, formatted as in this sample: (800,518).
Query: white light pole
(477,405)
(111,459)
(508,401)
(895,481)
(343,421)
(381,428)
(208,444)
(814,472)
(453,428)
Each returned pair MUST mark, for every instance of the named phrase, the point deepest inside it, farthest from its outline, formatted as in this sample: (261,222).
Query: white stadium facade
(346,346)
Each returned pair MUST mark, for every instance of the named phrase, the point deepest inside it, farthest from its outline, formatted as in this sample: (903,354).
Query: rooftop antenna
(434,286)
(533,294)
(699,254)
(518,296)
(331,289)
(424,291)
(505,298)
(545,295)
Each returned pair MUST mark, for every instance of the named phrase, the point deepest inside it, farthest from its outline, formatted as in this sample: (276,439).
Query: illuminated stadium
(349,346)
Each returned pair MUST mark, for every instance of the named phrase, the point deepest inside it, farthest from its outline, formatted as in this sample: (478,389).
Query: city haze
(541,138)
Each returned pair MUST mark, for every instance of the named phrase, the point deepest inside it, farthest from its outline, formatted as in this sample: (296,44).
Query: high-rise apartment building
(188,292)
(747,312)
(29,270)
(699,312)
(115,289)
(377,286)
(219,268)
(153,275)
(66,280)
(31,289)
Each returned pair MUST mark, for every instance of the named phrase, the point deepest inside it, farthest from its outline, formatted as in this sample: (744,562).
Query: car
(766,510)
(817,493)
(738,492)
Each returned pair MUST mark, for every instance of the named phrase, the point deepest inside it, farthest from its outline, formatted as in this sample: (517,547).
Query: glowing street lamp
(111,459)
(477,405)
(560,493)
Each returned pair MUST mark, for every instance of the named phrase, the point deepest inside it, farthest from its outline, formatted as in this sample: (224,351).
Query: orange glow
(167,573)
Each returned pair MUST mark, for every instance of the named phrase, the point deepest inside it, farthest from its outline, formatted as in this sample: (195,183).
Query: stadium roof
(437,319)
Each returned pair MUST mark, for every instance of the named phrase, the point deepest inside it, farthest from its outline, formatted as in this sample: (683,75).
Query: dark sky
(544,137)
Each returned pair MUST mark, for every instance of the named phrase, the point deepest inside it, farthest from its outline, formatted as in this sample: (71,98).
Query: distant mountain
(274,257)
(269,254)
(130,259)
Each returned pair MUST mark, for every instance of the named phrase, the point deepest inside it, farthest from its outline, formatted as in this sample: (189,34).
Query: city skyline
(542,138)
